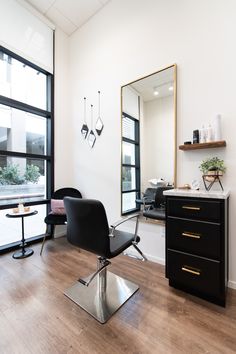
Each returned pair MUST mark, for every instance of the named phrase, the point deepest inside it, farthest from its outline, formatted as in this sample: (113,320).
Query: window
(26,130)
(130,163)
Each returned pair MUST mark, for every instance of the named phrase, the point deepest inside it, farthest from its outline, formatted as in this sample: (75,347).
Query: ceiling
(160,82)
(69,15)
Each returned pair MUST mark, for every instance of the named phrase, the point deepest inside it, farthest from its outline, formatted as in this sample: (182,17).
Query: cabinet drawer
(194,208)
(199,238)
(194,272)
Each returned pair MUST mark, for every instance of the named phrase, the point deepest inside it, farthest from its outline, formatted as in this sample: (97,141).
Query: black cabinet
(197,246)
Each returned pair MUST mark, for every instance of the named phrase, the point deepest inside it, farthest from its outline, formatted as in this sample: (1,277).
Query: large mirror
(148,157)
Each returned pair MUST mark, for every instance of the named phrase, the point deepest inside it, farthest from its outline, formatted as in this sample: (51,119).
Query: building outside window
(26,150)
(130,163)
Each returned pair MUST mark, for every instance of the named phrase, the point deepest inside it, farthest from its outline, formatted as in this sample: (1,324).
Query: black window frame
(48,114)
(136,143)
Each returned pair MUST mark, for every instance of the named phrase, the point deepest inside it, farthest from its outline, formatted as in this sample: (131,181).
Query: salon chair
(157,211)
(148,198)
(102,293)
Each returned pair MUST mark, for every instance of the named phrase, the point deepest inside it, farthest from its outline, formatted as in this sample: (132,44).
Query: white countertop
(197,194)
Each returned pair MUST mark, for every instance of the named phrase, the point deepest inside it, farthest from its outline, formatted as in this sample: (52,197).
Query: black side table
(23,253)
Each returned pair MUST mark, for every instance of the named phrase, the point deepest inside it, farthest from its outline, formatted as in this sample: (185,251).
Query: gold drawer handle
(190,207)
(191,235)
(195,272)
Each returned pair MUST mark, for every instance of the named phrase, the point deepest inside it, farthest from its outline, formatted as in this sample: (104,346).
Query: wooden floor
(36,317)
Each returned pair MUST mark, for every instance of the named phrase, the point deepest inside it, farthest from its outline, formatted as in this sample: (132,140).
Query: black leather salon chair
(58,219)
(102,293)
(158,210)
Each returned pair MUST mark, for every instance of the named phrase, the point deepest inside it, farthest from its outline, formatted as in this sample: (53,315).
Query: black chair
(147,198)
(54,219)
(87,228)
(158,210)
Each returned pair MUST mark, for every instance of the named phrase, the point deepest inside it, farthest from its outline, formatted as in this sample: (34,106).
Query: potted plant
(211,167)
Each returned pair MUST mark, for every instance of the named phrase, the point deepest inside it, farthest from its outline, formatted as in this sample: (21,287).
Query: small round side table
(23,253)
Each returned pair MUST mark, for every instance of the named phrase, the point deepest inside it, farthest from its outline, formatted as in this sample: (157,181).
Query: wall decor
(99,123)
(91,136)
(84,129)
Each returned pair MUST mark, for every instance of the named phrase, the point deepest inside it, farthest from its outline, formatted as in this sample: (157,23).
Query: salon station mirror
(148,141)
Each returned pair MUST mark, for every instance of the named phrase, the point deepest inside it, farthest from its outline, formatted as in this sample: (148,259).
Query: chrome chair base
(104,296)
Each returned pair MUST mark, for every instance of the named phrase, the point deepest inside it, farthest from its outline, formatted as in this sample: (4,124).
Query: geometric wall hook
(84,129)
(99,126)
(99,123)
(91,139)
(91,136)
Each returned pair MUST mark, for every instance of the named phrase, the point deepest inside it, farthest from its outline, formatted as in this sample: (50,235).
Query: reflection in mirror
(148,137)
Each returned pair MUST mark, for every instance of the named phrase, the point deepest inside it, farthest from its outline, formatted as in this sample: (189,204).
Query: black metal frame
(49,158)
(136,143)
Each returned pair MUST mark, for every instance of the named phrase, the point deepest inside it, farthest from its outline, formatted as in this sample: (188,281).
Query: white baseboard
(59,234)
(232,284)
(149,257)
(155,259)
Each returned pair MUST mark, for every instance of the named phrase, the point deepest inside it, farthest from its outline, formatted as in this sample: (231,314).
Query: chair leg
(144,258)
(44,239)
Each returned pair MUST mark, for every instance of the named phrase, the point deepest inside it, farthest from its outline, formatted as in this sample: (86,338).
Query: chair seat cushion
(120,242)
(156,213)
(54,219)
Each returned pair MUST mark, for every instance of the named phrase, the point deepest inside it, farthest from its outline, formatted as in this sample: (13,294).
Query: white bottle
(202,135)
(217,127)
(209,134)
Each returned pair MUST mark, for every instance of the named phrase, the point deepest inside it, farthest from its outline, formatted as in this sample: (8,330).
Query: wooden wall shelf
(213,144)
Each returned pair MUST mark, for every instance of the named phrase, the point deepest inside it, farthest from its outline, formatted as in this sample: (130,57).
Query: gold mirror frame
(174,66)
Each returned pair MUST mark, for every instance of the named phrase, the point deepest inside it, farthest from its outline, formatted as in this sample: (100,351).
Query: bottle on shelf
(195,136)
(209,134)
(202,135)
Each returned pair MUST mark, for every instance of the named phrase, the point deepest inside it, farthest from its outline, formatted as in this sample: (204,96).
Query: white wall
(62,134)
(129,39)
(62,130)
(158,145)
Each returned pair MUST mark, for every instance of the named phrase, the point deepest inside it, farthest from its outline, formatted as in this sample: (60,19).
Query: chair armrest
(147,203)
(119,222)
(116,224)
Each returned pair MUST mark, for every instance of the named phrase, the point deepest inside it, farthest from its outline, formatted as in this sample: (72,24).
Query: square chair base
(102,305)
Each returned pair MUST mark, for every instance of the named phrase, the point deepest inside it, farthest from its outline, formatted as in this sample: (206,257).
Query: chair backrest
(87,225)
(66,192)
(150,193)
(160,199)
